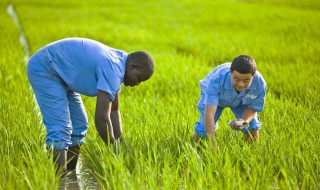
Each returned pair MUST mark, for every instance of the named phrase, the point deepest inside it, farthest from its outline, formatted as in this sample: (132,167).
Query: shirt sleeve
(258,103)
(108,79)
(212,93)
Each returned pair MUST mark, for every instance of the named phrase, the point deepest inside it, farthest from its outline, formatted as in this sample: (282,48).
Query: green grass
(187,39)
(23,158)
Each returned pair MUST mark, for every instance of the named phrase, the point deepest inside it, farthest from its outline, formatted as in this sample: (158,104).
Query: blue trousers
(237,111)
(62,109)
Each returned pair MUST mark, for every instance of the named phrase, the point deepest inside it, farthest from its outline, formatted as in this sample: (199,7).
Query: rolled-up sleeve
(212,93)
(108,80)
(258,103)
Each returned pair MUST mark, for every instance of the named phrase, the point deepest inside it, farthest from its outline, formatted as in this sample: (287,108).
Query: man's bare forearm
(116,123)
(209,124)
(210,130)
(248,114)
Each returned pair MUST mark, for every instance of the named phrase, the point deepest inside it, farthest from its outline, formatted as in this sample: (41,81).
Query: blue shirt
(219,91)
(85,65)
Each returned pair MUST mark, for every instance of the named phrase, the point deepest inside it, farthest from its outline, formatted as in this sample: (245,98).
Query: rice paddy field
(187,39)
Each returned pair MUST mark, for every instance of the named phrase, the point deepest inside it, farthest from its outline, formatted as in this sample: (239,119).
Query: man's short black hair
(244,64)
(144,60)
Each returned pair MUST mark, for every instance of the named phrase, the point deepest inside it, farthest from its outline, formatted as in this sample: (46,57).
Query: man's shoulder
(220,70)
(223,67)
(259,80)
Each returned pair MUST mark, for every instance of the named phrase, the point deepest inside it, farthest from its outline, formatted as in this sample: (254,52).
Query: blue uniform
(60,72)
(217,90)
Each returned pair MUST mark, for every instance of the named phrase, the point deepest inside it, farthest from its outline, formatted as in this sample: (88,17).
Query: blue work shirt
(85,65)
(218,90)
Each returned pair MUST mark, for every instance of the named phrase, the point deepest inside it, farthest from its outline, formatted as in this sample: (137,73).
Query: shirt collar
(228,82)
(252,85)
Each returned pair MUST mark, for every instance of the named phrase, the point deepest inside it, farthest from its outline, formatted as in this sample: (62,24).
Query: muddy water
(80,179)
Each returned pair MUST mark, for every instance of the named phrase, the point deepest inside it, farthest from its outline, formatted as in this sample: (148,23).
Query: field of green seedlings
(187,39)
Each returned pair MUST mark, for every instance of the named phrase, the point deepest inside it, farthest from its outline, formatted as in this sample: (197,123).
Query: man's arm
(102,117)
(116,118)
(248,114)
(209,123)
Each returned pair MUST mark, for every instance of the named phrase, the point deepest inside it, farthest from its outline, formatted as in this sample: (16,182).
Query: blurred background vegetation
(187,39)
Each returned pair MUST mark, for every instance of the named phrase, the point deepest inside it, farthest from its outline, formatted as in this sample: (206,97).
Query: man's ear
(135,65)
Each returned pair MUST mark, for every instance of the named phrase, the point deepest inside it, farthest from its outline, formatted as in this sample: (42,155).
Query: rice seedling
(187,38)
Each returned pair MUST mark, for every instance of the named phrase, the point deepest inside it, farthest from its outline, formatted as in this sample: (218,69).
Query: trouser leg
(51,95)
(79,128)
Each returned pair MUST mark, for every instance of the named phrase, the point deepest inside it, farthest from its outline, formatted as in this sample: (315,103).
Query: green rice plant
(187,39)
(23,159)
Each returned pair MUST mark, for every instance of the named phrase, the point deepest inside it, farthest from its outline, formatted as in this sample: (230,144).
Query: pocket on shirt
(247,101)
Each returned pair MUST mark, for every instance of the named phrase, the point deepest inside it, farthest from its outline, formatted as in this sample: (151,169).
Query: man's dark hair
(144,60)
(244,64)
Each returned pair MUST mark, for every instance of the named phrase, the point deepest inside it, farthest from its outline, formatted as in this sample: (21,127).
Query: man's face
(241,81)
(134,77)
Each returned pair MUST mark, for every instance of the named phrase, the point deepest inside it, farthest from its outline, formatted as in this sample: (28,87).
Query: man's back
(79,62)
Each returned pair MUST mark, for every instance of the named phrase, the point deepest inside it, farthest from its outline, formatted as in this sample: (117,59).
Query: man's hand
(200,141)
(212,142)
(238,124)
